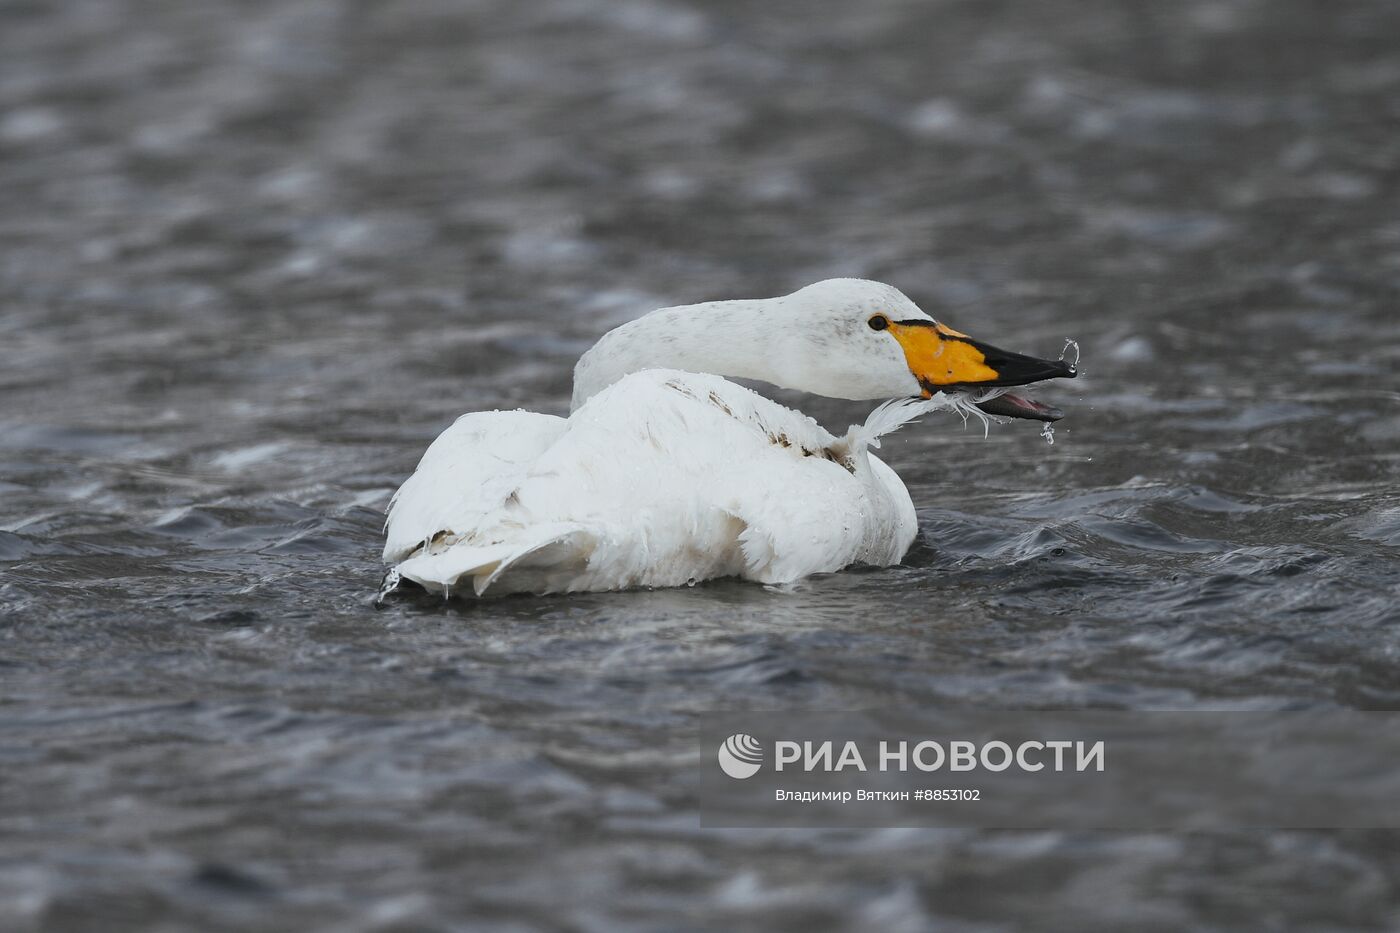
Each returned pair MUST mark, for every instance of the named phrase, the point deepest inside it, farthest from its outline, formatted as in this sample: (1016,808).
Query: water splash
(1047,430)
(1071,344)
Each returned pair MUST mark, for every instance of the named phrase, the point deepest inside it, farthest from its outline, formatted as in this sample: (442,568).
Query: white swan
(665,473)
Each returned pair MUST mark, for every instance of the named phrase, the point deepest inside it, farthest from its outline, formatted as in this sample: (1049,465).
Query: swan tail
(540,549)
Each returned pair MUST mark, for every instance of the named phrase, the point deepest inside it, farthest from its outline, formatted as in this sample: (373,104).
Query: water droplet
(1071,345)
(1047,431)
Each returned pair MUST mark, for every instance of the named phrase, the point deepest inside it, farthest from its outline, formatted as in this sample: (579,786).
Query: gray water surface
(255,256)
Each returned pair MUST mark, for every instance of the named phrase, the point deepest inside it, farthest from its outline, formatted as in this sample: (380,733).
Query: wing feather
(466,474)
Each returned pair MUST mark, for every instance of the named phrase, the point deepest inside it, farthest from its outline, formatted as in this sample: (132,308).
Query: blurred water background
(254,256)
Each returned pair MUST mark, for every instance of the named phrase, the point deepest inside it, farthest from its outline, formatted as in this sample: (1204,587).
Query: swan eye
(878,322)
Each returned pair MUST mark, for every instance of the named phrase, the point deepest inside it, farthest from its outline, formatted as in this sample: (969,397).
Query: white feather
(661,479)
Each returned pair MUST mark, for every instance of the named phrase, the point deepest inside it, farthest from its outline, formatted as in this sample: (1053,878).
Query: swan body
(666,473)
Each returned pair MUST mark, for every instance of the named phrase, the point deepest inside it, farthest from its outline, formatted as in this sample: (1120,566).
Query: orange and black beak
(944,359)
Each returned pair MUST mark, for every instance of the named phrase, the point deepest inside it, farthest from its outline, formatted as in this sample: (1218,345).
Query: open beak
(943,359)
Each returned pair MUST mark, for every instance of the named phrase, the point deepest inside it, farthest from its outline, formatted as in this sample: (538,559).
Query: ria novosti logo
(740,756)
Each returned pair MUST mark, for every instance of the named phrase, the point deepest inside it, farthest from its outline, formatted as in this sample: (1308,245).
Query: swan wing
(664,478)
(465,475)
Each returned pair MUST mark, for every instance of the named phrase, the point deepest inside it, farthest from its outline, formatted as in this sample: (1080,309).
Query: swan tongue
(1012,405)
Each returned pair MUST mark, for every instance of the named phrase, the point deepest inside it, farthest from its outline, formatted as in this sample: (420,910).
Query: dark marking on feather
(846,463)
(679,387)
(446,538)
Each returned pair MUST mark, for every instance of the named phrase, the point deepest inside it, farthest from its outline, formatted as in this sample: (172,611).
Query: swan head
(867,340)
(842,338)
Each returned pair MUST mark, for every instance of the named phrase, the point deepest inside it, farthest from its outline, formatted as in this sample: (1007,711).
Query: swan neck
(723,338)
